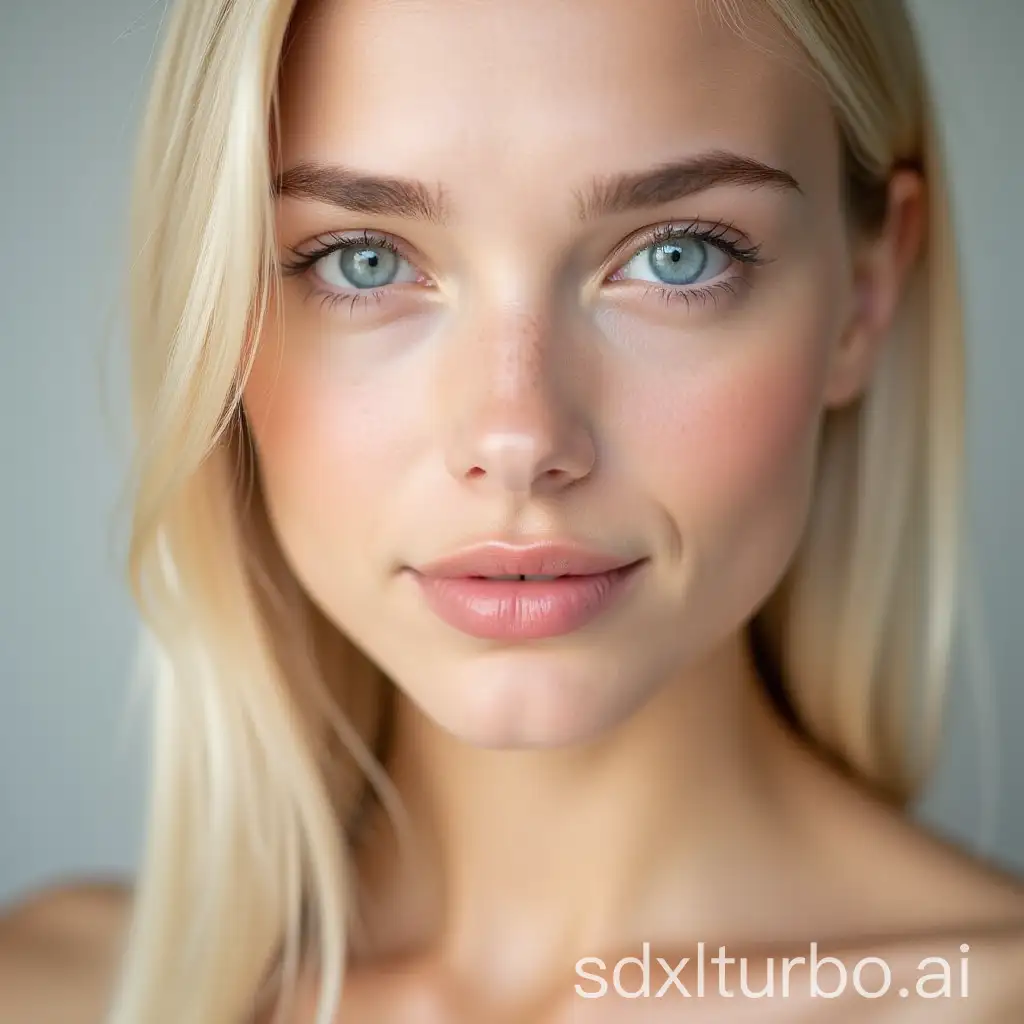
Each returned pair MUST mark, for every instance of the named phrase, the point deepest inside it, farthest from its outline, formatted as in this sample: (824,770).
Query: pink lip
(455,590)
(494,559)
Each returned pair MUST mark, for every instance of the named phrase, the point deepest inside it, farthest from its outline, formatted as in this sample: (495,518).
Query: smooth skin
(518,380)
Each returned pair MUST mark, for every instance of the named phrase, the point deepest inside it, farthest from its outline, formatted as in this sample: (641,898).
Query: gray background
(72,737)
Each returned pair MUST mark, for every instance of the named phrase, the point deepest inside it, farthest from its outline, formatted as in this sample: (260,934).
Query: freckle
(526,349)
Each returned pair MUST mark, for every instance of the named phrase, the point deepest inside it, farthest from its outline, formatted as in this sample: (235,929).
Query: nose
(514,424)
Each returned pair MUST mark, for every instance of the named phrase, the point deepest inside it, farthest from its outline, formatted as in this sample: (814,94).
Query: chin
(523,700)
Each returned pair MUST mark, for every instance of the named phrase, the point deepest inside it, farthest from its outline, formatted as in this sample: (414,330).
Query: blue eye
(680,262)
(364,265)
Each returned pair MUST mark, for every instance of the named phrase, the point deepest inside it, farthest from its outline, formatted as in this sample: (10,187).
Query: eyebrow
(613,194)
(666,183)
(363,193)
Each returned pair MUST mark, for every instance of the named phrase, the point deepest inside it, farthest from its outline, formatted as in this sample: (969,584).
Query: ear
(880,266)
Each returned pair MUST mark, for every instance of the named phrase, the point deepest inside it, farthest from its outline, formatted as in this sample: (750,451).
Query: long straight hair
(266,715)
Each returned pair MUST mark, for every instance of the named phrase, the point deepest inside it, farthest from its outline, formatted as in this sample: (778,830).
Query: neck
(670,821)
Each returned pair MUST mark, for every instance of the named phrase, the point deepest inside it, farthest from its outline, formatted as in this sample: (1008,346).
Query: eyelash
(715,235)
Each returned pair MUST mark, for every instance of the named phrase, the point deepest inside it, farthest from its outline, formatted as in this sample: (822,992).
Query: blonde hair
(266,716)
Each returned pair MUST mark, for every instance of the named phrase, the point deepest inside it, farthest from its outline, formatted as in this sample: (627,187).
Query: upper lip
(545,559)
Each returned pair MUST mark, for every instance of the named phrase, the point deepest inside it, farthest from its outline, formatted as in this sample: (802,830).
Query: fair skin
(627,782)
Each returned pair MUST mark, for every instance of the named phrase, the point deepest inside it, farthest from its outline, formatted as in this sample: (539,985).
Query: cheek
(729,451)
(334,440)
(748,434)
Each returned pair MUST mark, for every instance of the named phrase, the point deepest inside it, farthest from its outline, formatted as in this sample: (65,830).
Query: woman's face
(600,301)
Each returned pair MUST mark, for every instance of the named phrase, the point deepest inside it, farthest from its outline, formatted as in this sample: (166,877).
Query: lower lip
(524,609)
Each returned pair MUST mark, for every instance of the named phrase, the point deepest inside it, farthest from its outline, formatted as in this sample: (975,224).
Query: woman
(550,431)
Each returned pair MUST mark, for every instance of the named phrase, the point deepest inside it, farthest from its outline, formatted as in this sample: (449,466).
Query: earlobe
(880,273)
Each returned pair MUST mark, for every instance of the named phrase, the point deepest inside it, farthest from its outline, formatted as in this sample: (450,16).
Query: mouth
(526,606)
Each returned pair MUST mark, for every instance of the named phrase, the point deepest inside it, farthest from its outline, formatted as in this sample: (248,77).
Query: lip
(589,583)
(547,559)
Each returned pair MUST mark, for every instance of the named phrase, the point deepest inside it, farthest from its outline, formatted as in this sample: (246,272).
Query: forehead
(535,93)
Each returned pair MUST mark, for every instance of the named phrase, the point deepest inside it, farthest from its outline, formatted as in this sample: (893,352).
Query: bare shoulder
(955,884)
(59,951)
(880,868)
(967,885)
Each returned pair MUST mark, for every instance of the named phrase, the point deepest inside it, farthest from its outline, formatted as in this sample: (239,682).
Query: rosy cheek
(764,420)
(333,444)
(728,447)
